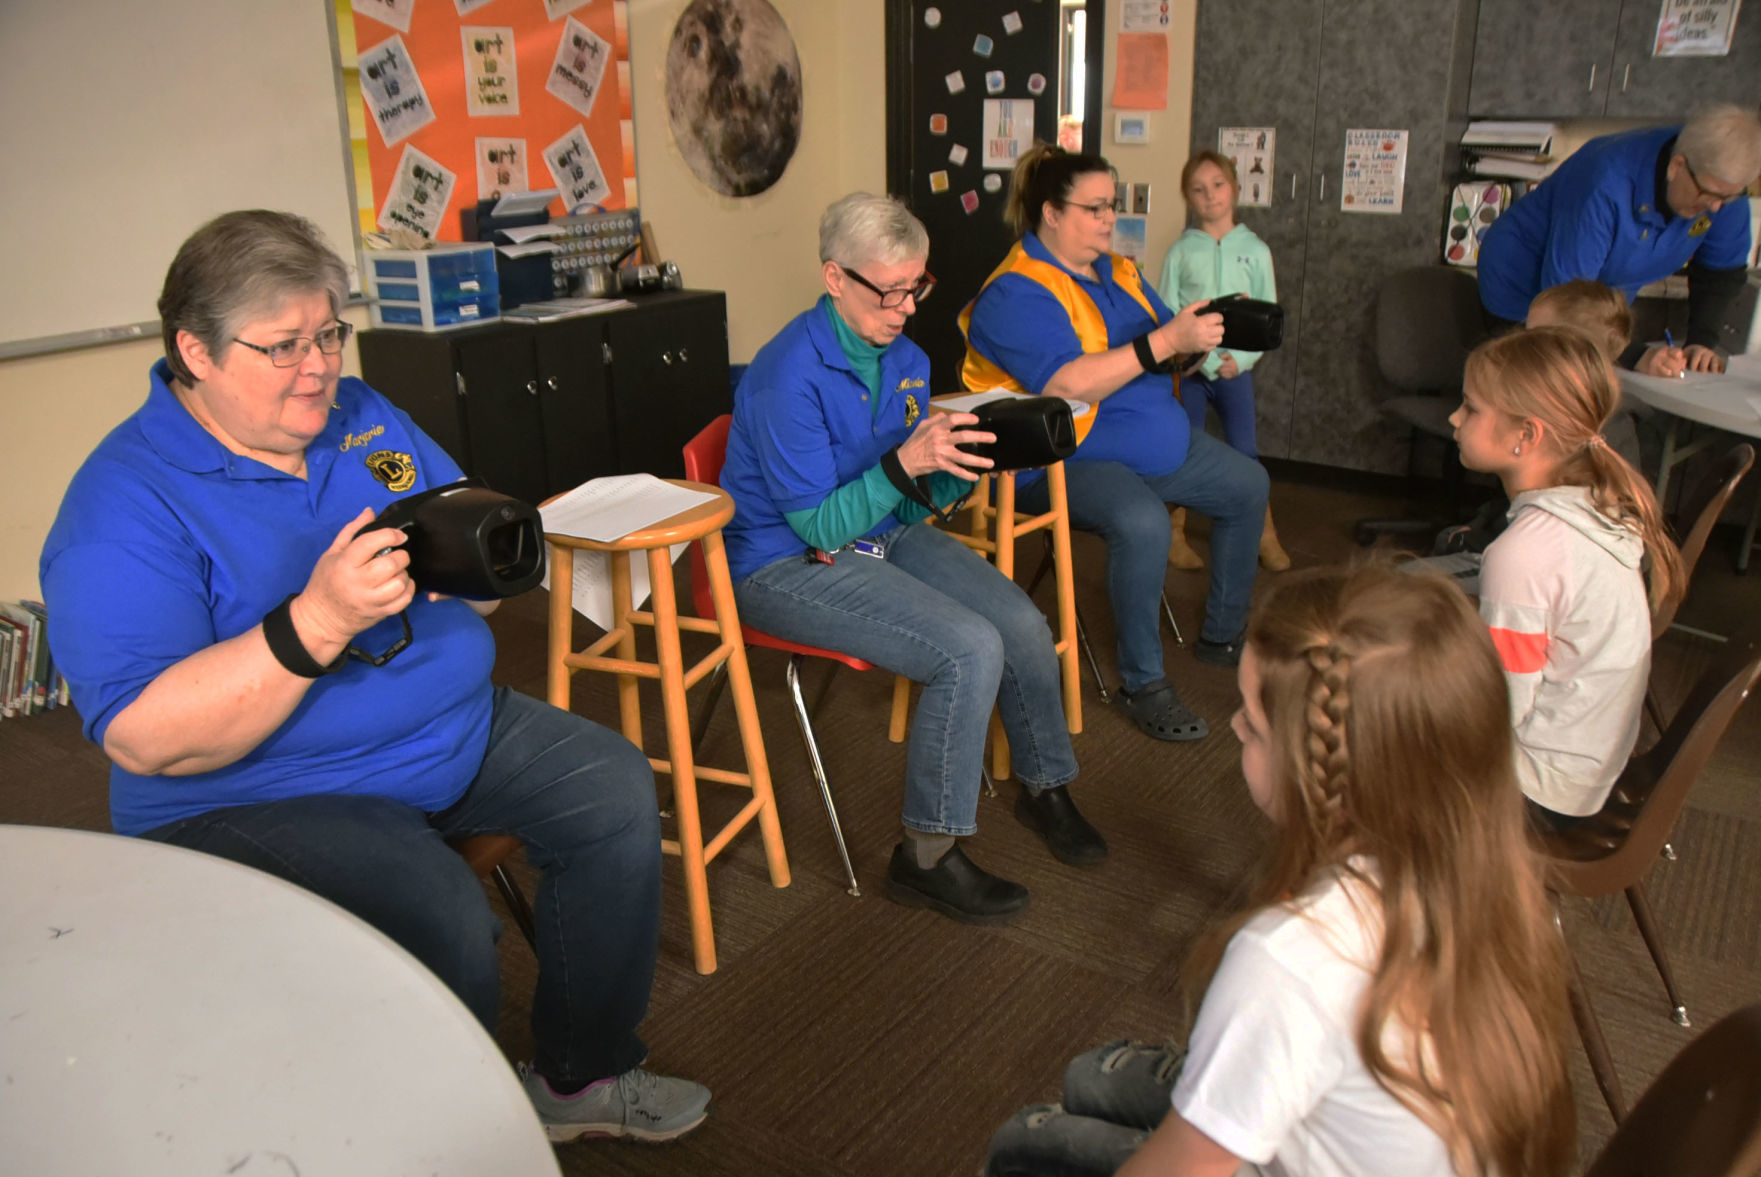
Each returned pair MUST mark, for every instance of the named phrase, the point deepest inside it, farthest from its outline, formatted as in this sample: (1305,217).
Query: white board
(130,124)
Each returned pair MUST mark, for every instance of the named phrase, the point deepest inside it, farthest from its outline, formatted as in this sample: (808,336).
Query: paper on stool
(591,589)
(606,510)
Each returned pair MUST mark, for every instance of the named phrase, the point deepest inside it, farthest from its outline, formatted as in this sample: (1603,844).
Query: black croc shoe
(956,887)
(1220,653)
(1052,815)
(1158,712)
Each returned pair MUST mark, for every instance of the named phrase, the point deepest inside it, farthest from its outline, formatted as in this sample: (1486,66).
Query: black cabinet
(1592,58)
(537,409)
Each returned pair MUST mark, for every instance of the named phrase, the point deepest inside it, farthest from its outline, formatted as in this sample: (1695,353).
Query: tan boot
(1179,553)
(1273,557)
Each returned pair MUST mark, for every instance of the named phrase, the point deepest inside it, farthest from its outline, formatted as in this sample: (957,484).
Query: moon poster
(733,91)
(474,89)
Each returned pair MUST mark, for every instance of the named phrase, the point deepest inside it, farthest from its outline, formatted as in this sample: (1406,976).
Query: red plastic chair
(703,463)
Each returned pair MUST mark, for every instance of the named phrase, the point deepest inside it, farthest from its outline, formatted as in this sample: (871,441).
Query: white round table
(1729,401)
(168,1012)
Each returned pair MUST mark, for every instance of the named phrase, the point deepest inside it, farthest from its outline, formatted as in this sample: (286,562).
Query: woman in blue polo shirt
(223,611)
(1064,316)
(832,444)
(1630,209)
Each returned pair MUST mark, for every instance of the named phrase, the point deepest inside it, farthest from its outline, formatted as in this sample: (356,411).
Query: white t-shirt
(1272,1072)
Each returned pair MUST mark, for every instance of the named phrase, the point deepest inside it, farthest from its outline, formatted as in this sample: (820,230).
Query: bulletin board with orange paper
(469,100)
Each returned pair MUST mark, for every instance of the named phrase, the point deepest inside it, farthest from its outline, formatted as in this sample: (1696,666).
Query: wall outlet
(1140,199)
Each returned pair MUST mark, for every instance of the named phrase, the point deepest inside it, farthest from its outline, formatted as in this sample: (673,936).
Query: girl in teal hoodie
(1214,257)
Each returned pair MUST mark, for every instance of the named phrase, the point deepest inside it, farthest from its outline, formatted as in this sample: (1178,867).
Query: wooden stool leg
(1005,537)
(622,605)
(721,586)
(562,624)
(901,708)
(1066,585)
(678,737)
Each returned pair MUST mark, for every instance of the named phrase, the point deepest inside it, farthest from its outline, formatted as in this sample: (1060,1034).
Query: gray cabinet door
(1364,84)
(1544,61)
(1256,64)
(1642,86)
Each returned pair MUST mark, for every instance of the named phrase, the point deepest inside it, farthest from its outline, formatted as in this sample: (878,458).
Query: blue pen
(1670,340)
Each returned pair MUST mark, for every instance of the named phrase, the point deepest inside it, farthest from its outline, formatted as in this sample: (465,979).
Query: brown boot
(1273,557)
(1179,554)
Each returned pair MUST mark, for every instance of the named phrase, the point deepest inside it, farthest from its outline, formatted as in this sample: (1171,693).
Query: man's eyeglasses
(1099,210)
(290,352)
(918,290)
(1720,197)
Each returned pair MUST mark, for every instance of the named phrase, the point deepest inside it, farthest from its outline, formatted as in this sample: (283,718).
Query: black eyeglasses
(918,290)
(290,352)
(1098,210)
(1720,197)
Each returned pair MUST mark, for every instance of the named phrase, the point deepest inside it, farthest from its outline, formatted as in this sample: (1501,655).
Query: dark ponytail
(1043,173)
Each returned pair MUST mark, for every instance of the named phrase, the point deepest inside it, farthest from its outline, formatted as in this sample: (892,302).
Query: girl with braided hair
(1392,1000)
(1564,587)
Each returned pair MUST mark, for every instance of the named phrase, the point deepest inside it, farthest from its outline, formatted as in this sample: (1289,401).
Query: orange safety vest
(981,375)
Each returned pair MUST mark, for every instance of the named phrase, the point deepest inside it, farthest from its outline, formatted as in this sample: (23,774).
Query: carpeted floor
(849,1036)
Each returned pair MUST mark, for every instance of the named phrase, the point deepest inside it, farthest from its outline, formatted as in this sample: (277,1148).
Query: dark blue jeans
(1233,400)
(581,798)
(1114,1097)
(1130,512)
(938,613)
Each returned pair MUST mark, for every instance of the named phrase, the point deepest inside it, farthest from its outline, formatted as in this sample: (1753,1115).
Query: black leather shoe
(956,886)
(1052,815)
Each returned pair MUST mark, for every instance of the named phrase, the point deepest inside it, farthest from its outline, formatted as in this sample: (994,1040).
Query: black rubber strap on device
(284,643)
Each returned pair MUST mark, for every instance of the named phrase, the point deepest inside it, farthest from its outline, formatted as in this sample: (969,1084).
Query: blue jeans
(1114,1097)
(1129,511)
(938,613)
(581,798)
(1233,400)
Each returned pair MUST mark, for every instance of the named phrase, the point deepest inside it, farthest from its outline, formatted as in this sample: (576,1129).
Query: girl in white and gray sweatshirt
(1564,588)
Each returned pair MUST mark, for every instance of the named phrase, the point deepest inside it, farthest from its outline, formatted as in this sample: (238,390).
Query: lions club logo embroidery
(1700,225)
(912,410)
(397,471)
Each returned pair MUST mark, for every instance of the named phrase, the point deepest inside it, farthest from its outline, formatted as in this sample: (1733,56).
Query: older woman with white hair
(1630,209)
(832,460)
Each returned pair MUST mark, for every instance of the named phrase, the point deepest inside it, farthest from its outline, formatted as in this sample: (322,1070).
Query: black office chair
(1427,321)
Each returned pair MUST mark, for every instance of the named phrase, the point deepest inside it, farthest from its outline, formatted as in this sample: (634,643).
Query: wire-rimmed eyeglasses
(288,353)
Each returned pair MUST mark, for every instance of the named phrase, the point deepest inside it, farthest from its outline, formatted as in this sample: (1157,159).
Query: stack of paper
(1510,136)
(606,510)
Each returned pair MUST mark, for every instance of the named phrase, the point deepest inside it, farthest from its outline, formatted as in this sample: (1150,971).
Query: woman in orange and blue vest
(1065,316)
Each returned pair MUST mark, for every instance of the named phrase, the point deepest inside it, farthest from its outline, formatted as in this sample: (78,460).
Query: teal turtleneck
(851,511)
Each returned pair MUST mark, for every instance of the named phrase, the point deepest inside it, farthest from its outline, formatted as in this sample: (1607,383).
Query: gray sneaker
(638,1104)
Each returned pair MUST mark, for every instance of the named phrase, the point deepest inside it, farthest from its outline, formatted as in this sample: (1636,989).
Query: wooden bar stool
(615,653)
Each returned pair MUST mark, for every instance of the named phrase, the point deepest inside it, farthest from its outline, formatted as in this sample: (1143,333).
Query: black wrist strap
(284,643)
(917,489)
(1146,357)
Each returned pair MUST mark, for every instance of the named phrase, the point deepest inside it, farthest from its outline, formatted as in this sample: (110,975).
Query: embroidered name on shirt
(397,471)
(359,439)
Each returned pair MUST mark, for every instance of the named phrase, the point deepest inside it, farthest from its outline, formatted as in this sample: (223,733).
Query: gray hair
(237,267)
(1723,141)
(864,228)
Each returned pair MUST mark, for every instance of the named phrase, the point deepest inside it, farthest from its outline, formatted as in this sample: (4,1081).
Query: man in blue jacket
(1630,209)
